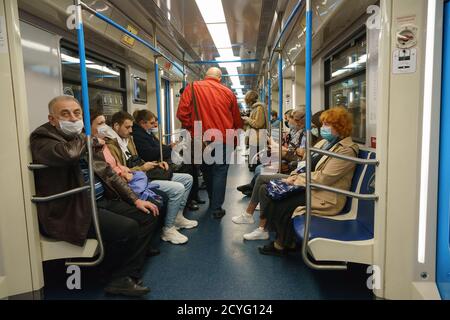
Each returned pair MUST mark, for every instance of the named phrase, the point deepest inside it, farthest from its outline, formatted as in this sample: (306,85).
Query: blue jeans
(215,176)
(177,190)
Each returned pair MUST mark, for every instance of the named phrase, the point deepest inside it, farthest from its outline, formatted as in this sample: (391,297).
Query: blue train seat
(349,235)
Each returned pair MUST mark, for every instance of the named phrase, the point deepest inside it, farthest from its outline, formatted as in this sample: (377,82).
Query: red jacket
(217,107)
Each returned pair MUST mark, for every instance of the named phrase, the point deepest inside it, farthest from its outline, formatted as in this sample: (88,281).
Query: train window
(106,80)
(345,83)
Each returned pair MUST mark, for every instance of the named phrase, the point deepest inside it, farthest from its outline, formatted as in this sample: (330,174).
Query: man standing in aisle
(215,107)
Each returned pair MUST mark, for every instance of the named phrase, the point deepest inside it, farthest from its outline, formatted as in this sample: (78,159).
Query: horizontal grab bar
(60,195)
(373,162)
(345,193)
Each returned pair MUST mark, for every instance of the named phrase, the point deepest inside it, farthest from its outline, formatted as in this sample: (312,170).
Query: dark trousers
(191,169)
(127,233)
(215,176)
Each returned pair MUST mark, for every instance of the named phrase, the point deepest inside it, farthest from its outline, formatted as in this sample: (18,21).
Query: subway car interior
(380,64)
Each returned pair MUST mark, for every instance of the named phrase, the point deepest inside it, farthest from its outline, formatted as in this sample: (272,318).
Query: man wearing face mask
(127,231)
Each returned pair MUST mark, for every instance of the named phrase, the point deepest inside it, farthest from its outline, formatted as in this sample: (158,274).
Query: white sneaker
(173,236)
(244,218)
(258,234)
(182,223)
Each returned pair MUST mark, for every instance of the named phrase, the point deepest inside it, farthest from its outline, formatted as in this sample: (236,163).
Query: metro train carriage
(225,150)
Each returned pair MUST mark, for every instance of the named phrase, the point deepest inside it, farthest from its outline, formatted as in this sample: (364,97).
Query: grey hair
(54,101)
(299,110)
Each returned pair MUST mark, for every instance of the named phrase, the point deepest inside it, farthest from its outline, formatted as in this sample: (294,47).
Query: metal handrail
(359,196)
(305,244)
(128,33)
(347,158)
(174,133)
(284,29)
(86,114)
(59,195)
(224,61)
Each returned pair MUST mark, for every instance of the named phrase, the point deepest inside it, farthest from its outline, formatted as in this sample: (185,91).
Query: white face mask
(102,131)
(71,128)
(315,132)
(154,131)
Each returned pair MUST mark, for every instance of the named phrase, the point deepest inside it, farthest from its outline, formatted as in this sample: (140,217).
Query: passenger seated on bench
(290,156)
(136,179)
(122,147)
(145,131)
(126,227)
(277,216)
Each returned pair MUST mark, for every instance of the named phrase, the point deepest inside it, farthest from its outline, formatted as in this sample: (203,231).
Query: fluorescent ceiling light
(225,52)
(238,87)
(211,10)
(426,130)
(220,35)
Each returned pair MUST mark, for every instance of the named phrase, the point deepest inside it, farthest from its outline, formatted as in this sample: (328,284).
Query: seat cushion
(350,230)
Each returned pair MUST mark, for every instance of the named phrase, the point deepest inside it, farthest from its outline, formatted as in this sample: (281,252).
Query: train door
(443,237)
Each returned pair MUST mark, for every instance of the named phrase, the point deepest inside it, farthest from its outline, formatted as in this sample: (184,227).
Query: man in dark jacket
(145,128)
(127,228)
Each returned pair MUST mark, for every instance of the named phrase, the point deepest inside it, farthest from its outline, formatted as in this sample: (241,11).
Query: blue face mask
(325,132)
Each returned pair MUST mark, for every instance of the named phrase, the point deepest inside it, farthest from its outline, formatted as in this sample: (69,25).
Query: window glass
(99,73)
(345,74)
(351,94)
(349,61)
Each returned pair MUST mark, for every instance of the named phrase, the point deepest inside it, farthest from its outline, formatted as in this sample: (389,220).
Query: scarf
(123,143)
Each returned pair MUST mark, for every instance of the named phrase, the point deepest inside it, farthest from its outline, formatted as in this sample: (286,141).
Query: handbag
(160,174)
(134,161)
(278,190)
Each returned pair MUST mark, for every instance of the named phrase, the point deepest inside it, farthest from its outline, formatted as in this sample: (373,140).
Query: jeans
(215,176)
(177,190)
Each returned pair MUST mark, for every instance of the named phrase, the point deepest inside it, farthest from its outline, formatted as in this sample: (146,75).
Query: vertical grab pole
(269,98)
(184,71)
(168,112)
(87,126)
(158,95)
(280,103)
(306,259)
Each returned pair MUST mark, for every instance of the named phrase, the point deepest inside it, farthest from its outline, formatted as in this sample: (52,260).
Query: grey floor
(217,263)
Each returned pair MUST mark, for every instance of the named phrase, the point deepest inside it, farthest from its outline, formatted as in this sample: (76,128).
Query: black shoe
(127,287)
(270,250)
(192,206)
(248,193)
(151,252)
(198,201)
(219,214)
(245,187)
